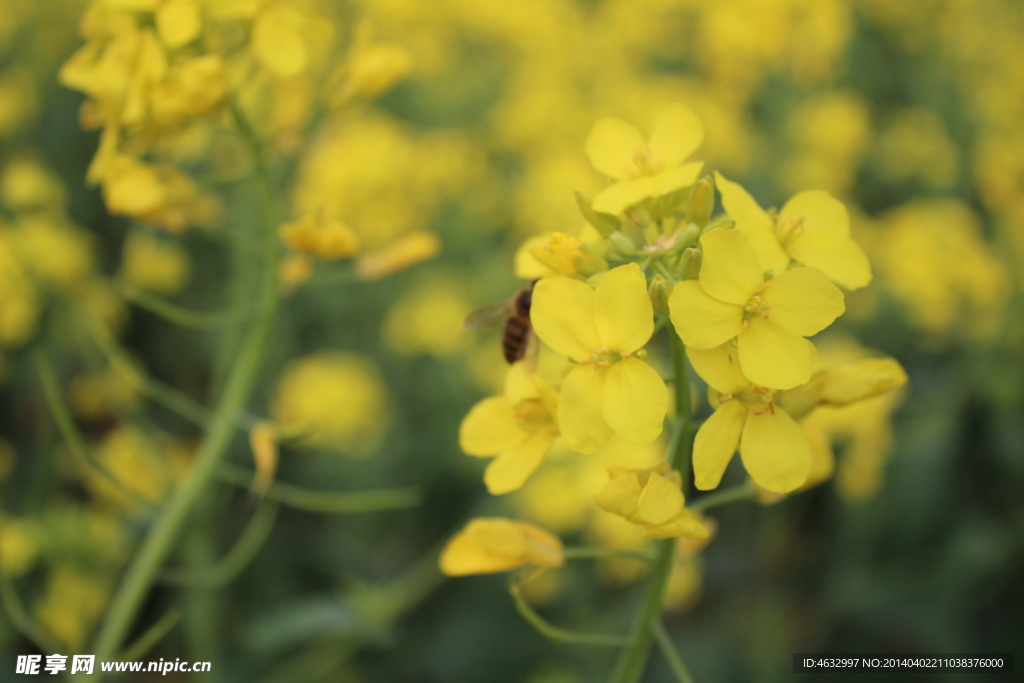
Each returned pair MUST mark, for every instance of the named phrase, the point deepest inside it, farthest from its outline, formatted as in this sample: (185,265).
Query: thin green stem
(153,635)
(743,491)
(675,662)
(21,619)
(334,502)
(584,553)
(183,317)
(237,559)
(163,534)
(633,659)
(73,439)
(556,634)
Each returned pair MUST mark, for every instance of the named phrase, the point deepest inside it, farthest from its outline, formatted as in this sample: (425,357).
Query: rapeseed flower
(652,498)
(603,329)
(488,545)
(644,168)
(517,429)
(768,319)
(812,229)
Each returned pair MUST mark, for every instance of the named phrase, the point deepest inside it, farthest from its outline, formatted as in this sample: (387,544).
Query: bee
(515,313)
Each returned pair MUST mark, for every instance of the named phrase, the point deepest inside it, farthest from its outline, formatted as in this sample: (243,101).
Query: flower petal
(716,442)
(671,179)
(719,367)
(635,400)
(562,313)
(775,452)
(701,320)
(580,410)
(660,501)
(615,198)
(842,260)
(804,300)
(772,356)
(730,271)
(820,213)
(490,428)
(754,222)
(622,309)
(610,147)
(510,470)
(677,134)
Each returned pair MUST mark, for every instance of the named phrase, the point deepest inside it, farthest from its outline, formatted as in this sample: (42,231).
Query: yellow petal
(620,495)
(730,271)
(685,525)
(520,383)
(660,501)
(719,367)
(754,222)
(804,300)
(490,428)
(278,45)
(677,134)
(580,408)
(775,452)
(672,179)
(622,309)
(635,401)
(610,147)
(615,198)
(562,314)
(493,544)
(820,212)
(701,320)
(772,356)
(178,22)
(716,442)
(513,467)
(842,260)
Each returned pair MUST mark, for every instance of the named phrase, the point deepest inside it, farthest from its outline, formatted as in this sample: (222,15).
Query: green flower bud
(690,263)
(724,222)
(702,202)
(590,259)
(685,237)
(659,290)
(622,244)
(604,223)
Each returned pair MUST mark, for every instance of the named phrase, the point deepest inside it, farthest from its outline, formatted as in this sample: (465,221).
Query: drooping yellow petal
(660,501)
(804,300)
(716,442)
(490,428)
(620,495)
(622,309)
(671,179)
(685,525)
(730,271)
(819,212)
(701,320)
(493,544)
(775,451)
(610,147)
(754,222)
(677,134)
(772,356)
(843,260)
(562,313)
(635,400)
(178,22)
(719,367)
(580,410)
(510,470)
(616,198)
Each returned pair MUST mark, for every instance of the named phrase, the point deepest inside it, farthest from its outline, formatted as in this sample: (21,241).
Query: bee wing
(487,318)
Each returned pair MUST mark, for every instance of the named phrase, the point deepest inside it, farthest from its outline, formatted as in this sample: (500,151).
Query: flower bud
(867,378)
(589,259)
(403,253)
(622,244)
(604,223)
(690,263)
(686,237)
(725,223)
(702,202)
(659,290)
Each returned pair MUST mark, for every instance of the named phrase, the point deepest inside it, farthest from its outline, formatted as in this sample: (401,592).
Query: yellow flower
(178,22)
(558,253)
(644,168)
(603,329)
(328,239)
(774,450)
(519,428)
(769,320)
(488,545)
(813,229)
(403,253)
(18,545)
(651,498)
(154,264)
(161,194)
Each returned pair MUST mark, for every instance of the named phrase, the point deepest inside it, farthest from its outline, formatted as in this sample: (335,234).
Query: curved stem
(560,635)
(630,666)
(179,315)
(160,539)
(722,496)
(675,662)
(153,635)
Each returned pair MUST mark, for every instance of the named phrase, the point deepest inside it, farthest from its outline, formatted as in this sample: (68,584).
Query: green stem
(336,502)
(583,553)
(160,539)
(173,313)
(633,659)
(675,662)
(237,559)
(21,619)
(153,635)
(743,491)
(556,634)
